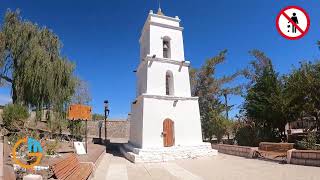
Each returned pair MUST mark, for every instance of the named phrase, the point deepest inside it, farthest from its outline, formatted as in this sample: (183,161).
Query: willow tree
(31,63)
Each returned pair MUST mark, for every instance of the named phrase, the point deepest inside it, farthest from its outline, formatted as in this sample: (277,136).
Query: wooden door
(168,133)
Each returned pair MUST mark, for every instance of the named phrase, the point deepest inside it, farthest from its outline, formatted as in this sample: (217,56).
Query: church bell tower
(164,114)
(165,118)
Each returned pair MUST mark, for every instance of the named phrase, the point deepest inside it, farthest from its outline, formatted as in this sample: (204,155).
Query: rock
(32,177)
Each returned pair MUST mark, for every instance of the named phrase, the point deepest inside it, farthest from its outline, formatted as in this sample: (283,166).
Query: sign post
(82,113)
(86,138)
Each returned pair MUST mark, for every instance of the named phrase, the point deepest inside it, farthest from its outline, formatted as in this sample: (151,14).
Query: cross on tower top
(159,9)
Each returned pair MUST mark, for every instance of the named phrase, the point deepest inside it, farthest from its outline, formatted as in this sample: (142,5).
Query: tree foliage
(96,117)
(264,102)
(246,133)
(272,101)
(14,116)
(31,62)
(209,89)
(77,129)
(302,92)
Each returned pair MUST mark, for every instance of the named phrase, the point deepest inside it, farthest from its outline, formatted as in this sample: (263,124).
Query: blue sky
(101,37)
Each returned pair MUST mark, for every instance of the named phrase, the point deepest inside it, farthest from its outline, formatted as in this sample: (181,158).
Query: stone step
(135,150)
(166,154)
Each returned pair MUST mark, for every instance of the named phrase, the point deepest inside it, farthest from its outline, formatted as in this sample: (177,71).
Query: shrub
(14,137)
(219,127)
(14,116)
(76,129)
(51,147)
(33,134)
(246,135)
(309,142)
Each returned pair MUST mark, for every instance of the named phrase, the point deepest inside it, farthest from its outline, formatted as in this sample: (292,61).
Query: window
(166,47)
(169,83)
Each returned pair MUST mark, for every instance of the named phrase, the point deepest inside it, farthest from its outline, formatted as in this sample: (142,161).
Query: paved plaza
(221,167)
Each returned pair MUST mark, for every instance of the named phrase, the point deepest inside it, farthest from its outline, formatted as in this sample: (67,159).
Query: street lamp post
(106,113)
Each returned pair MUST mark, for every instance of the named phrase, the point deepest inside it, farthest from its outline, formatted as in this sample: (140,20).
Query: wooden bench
(70,168)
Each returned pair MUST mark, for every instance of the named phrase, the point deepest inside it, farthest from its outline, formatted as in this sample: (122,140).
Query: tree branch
(6,78)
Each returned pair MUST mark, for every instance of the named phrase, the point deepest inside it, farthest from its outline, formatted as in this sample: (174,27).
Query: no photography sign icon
(293,22)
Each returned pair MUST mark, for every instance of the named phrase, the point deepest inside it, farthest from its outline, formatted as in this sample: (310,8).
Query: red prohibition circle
(304,32)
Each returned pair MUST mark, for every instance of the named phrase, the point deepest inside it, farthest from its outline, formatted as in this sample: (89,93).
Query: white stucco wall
(136,124)
(156,83)
(175,22)
(145,43)
(186,117)
(176,42)
(155,29)
(142,80)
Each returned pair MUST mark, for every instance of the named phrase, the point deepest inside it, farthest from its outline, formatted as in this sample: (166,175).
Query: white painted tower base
(151,155)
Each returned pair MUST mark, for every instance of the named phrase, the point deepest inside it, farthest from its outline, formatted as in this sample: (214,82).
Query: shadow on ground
(111,147)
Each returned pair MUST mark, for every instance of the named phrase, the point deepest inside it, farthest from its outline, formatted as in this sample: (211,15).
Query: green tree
(210,89)
(302,92)
(220,126)
(97,117)
(264,102)
(229,128)
(31,62)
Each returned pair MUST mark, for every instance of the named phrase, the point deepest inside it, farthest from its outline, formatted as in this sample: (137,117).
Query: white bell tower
(164,115)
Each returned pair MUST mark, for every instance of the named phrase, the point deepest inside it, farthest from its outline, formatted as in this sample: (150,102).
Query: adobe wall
(243,151)
(115,129)
(304,157)
(278,147)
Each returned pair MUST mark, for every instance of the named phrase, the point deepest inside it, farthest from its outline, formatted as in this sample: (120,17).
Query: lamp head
(106,104)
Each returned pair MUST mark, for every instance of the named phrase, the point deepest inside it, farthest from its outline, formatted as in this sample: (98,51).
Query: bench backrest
(64,167)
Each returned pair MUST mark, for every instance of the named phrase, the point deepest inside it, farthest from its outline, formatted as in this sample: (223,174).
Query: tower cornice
(151,16)
(150,59)
(176,19)
(163,97)
(166,26)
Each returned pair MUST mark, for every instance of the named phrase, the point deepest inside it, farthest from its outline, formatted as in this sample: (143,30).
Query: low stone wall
(277,147)
(243,151)
(115,129)
(303,157)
